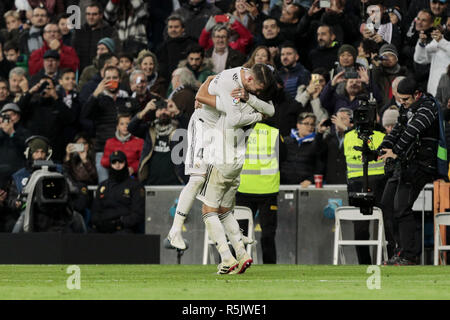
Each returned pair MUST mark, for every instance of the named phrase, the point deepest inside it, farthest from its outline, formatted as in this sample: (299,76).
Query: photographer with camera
(156,166)
(360,145)
(412,146)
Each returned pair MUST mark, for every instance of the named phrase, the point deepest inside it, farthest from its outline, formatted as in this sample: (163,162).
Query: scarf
(122,139)
(385,31)
(35,40)
(308,138)
(163,129)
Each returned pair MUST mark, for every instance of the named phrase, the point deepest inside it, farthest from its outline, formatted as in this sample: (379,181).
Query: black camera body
(5,117)
(365,117)
(42,87)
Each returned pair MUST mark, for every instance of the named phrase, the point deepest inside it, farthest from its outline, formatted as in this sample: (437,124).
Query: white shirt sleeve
(261,106)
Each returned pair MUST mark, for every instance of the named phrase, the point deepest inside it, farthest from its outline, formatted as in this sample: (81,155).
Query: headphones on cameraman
(27,150)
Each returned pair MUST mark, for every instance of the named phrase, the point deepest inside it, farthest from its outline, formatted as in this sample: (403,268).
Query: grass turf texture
(197,282)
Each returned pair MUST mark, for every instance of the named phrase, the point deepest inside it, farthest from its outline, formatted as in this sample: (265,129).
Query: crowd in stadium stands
(126,78)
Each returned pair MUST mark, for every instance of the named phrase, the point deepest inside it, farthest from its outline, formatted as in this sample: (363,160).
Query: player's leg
(185,203)
(210,195)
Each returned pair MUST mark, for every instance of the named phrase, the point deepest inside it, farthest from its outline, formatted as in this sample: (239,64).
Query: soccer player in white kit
(222,180)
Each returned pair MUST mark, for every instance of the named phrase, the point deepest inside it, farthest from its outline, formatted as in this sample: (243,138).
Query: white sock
(217,235)
(233,232)
(185,201)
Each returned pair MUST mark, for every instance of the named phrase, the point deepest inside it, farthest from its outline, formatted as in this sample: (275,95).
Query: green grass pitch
(197,282)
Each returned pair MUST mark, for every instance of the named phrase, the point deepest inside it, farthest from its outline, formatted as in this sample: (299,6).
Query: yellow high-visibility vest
(260,173)
(354,157)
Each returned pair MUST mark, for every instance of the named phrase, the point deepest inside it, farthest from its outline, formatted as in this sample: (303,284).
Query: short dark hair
(95,4)
(5,81)
(65,71)
(103,58)
(62,16)
(48,78)
(272,18)
(112,68)
(288,44)
(127,55)
(123,115)
(175,17)
(300,10)
(11,45)
(330,28)
(323,72)
(195,48)
(427,11)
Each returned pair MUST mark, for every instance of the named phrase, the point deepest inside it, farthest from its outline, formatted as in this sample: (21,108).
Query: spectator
(379,28)
(240,38)
(5,65)
(102,108)
(51,62)
(200,66)
(309,95)
(13,26)
(422,24)
(439,10)
(129,18)
(156,166)
(147,62)
(12,140)
(292,72)
(395,100)
(443,94)
(325,54)
(174,48)
(289,20)
(333,156)
(367,53)
(85,40)
(119,204)
(125,142)
(334,97)
(387,70)
(64,29)
(275,11)
(53,7)
(12,53)
(44,113)
(347,55)
(80,165)
(18,83)
(303,152)
(52,41)
(436,54)
(5,96)
(105,60)
(105,45)
(272,38)
(32,39)
(222,55)
(185,88)
(261,54)
(126,63)
(67,92)
(138,84)
(197,13)
(390,118)
(248,13)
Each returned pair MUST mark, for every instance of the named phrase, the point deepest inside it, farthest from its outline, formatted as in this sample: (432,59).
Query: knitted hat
(36,144)
(388,48)
(109,43)
(390,117)
(395,11)
(347,48)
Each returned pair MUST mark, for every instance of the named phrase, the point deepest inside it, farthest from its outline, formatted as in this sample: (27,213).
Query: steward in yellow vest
(355,182)
(260,183)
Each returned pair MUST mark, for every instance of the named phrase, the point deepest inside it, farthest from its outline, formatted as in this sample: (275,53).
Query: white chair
(440,219)
(354,214)
(240,213)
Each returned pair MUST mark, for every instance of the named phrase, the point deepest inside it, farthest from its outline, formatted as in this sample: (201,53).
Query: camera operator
(354,159)
(48,216)
(413,144)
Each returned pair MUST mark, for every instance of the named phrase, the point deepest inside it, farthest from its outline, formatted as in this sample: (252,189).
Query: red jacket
(241,44)
(68,58)
(132,149)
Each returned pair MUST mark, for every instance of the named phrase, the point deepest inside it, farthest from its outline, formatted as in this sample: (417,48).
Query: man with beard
(327,49)
(102,108)
(156,166)
(119,204)
(200,66)
(436,54)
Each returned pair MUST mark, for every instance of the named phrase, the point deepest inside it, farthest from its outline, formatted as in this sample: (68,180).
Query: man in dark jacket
(102,108)
(325,54)
(85,40)
(197,12)
(174,48)
(292,72)
(119,204)
(413,145)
